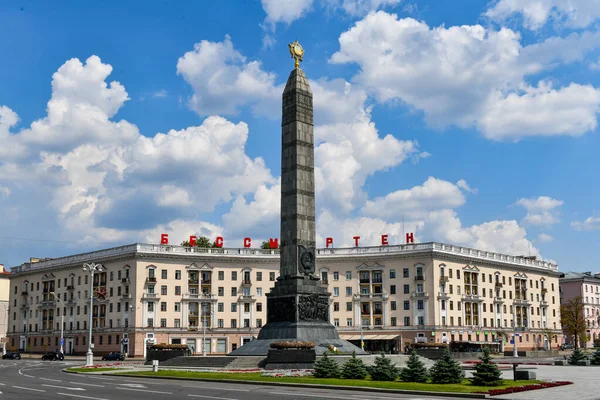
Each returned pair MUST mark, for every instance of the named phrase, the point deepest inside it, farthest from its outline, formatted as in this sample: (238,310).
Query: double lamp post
(91,268)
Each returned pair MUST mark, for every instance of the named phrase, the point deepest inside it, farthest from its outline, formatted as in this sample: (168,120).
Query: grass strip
(464,387)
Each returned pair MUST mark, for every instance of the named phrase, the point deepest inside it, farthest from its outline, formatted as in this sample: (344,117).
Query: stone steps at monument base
(198,362)
(247,362)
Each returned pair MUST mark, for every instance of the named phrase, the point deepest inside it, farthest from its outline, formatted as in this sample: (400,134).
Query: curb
(309,385)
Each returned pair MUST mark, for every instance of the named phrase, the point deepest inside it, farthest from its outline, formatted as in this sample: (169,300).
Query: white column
(252,305)
(371,313)
(212,314)
(357,314)
(185,311)
(384,306)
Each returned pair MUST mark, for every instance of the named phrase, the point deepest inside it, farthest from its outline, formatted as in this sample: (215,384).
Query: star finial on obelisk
(297,52)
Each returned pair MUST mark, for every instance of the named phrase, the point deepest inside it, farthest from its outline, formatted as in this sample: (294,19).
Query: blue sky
(475,122)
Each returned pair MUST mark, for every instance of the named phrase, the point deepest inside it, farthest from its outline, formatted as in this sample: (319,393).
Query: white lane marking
(328,396)
(216,388)
(211,397)
(86,384)
(101,377)
(134,385)
(26,388)
(52,380)
(62,387)
(2,384)
(81,397)
(142,390)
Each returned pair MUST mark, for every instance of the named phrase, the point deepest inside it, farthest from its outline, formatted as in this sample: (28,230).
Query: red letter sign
(219,241)
(192,241)
(273,243)
(328,241)
(356,240)
(410,238)
(384,240)
(247,242)
(164,238)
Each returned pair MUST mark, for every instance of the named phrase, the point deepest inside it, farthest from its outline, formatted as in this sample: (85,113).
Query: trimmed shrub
(354,368)
(446,370)
(577,355)
(415,370)
(383,370)
(596,357)
(326,367)
(486,373)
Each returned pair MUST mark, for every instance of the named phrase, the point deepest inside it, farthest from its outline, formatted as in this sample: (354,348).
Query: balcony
(71,287)
(521,302)
(246,298)
(125,280)
(472,297)
(367,296)
(246,282)
(377,280)
(498,300)
(199,296)
(126,296)
(152,296)
(420,295)
(498,284)
(420,278)
(193,281)
(150,279)
(443,296)
(544,303)
(365,280)
(24,293)
(71,301)
(324,282)
(444,279)
(544,291)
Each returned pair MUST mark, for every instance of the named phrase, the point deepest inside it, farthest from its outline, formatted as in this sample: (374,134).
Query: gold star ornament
(297,52)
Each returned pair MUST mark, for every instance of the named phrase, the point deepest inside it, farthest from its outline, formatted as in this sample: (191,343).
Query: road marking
(2,384)
(62,387)
(81,397)
(86,384)
(211,397)
(100,377)
(134,385)
(26,388)
(53,380)
(216,388)
(142,390)
(328,396)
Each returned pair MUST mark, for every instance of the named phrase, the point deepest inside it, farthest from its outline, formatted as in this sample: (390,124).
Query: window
(177,307)
(392,273)
(178,290)
(392,289)
(336,306)
(151,307)
(234,323)
(271,276)
(178,274)
(234,291)
(163,306)
(348,275)
(406,289)
(420,306)
(336,291)
(150,322)
(163,290)
(393,305)
(449,273)
(221,275)
(259,291)
(259,276)
(405,272)
(258,307)
(220,307)
(163,275)
(471,282)
(234,275)
(419,288)
(406,304)
(349,306)
(246,307)
(421,320)
(220,323)
(348,291)
(406,321)
(163,322)
(259,323)
(336,322)
(458,274)
(393,321)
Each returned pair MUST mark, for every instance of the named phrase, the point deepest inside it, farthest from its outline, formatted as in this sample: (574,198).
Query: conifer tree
(446,370)
(596,357)
(415,370)
(383,370)
(354,368)
(577,355)
(326,367)
(487,373)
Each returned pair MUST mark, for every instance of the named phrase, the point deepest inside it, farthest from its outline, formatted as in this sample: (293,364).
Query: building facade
(4,307)
(389,296)
(587,286)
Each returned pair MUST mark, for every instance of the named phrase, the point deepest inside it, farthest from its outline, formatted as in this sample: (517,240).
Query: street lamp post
(62,322)
(5,329)
(362,342)
(204,329)
(91,268)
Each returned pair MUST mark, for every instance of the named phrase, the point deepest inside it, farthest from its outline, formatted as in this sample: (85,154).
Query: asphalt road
(43,380)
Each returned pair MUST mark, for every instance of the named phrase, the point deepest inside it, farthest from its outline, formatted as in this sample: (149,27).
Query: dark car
(11,355)
(53,356)
(114,356)
(567,346)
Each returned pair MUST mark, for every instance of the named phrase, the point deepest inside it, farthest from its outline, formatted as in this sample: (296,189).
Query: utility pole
(91,268)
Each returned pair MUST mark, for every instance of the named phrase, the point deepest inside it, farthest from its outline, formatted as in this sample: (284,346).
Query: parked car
(567,346)
(11,355)
(114,356)
(53,356)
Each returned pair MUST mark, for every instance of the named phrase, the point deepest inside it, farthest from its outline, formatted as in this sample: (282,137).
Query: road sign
(62,341)
(512,341)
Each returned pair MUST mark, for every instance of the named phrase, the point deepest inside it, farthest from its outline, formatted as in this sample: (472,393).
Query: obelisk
(298,304)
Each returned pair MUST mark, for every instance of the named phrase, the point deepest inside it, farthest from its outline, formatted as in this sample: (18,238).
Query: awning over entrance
(369,337)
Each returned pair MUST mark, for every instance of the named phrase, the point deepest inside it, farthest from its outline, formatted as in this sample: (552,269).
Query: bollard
(154,365)
(514,371)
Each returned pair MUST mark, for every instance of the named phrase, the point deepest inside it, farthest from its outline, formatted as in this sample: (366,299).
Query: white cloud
(545,238)
(465,186)
(469,75)
(535,13)
(4,192)
(541,211)
(286,11)
(360,7)
(589,224)
(542,111)
(432,195)
(161,93)
(259,216)
(223,80)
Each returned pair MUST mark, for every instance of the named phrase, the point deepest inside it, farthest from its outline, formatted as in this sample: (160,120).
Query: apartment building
(387,295)
(586,285)
(4,289)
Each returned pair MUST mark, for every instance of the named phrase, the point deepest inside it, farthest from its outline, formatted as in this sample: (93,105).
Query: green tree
(185,243)
(446,369)
(487,373)
(267,246)
(572,319)
(203,241)
(415,370)
(577,355)
(354,368)
(383,370)
(596,357)
(326,367)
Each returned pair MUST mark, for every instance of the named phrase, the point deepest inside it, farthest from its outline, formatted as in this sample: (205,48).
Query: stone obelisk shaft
(297,173)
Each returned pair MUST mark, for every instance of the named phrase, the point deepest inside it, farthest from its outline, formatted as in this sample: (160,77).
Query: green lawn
(465,387)
(91,369)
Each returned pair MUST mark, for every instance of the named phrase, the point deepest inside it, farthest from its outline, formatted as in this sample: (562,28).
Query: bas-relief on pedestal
(298,304)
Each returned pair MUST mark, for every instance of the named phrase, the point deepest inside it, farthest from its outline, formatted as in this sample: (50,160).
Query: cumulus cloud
(536,13)
(589,224)
(545,238)
(465,186)
(541,211)
(469,75)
